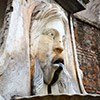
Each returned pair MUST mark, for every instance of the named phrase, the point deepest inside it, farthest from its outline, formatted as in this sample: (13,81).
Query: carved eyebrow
(50,30)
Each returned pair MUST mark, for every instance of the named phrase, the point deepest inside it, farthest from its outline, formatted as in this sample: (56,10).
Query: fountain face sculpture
(48,49)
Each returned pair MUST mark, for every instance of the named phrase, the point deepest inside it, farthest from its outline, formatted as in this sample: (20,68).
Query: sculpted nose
(58,50)
(58,47)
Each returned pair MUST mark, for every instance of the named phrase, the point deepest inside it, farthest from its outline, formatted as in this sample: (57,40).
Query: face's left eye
(64,39)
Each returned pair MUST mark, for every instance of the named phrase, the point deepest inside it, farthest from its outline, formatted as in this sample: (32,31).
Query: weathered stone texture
(88,49)
(5,24)
(92,13)
(2,10)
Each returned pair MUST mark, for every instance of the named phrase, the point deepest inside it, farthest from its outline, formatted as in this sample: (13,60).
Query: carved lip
(57,61)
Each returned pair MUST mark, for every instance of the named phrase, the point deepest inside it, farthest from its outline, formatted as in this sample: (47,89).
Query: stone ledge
(61,97)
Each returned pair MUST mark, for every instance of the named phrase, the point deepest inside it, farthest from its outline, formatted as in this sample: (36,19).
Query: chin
(50,66)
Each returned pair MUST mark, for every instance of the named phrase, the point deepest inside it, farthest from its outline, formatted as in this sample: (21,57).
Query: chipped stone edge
(86,20)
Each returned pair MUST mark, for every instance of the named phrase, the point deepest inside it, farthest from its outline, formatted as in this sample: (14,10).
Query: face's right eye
(64,38)
(49,33)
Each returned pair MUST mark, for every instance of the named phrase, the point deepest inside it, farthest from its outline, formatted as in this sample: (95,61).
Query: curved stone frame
(18,38)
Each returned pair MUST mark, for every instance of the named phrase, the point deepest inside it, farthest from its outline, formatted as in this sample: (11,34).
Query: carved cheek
(45,47)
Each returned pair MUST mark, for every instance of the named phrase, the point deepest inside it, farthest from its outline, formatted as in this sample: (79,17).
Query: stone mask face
(50,43)
(50,46)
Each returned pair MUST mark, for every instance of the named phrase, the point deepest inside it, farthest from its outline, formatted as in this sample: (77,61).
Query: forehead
(57,25)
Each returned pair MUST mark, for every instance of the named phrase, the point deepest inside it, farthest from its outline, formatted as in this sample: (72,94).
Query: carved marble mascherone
(48,35)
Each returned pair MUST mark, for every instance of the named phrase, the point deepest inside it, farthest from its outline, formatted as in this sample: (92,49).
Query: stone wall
(88,49)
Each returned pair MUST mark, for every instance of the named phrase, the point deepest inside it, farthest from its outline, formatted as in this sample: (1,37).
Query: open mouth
(57,61)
